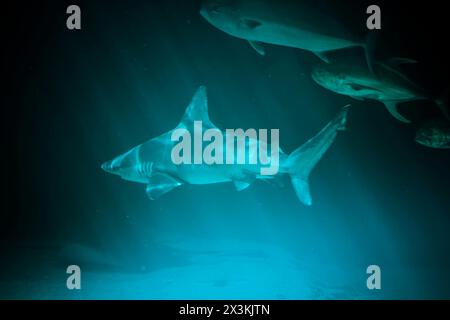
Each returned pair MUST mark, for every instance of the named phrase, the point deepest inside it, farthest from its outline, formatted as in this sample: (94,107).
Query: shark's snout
(110,167)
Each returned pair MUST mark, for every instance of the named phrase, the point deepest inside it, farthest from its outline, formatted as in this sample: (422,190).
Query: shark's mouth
(109,167)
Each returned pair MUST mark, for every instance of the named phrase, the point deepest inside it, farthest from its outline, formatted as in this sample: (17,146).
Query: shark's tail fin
(302,161)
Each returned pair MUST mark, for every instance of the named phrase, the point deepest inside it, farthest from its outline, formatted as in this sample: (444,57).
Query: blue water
(127,76)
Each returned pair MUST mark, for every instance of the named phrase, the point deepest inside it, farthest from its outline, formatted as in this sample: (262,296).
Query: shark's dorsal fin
(197,110)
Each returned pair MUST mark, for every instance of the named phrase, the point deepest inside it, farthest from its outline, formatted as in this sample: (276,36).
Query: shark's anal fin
(241,185)
(322,56)
(258,47)
(159,184)
(391,106)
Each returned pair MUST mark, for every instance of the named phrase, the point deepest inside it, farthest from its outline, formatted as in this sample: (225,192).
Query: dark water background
(73,99)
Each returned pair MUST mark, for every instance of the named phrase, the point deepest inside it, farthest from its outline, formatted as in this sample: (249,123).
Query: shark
(390,86)
(295,24)
(151,163)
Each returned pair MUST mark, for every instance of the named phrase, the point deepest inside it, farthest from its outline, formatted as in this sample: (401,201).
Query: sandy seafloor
(208,272)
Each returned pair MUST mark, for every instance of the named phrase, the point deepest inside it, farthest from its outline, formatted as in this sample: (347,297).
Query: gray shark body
(151,163)
(286,23)
(390,86)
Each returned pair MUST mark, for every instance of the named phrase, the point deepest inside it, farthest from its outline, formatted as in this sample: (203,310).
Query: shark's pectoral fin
(159,184)
(391,106)
(258,47)
(322,56)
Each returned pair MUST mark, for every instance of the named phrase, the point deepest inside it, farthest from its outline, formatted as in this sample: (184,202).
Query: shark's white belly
(204,174)
(208,174)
